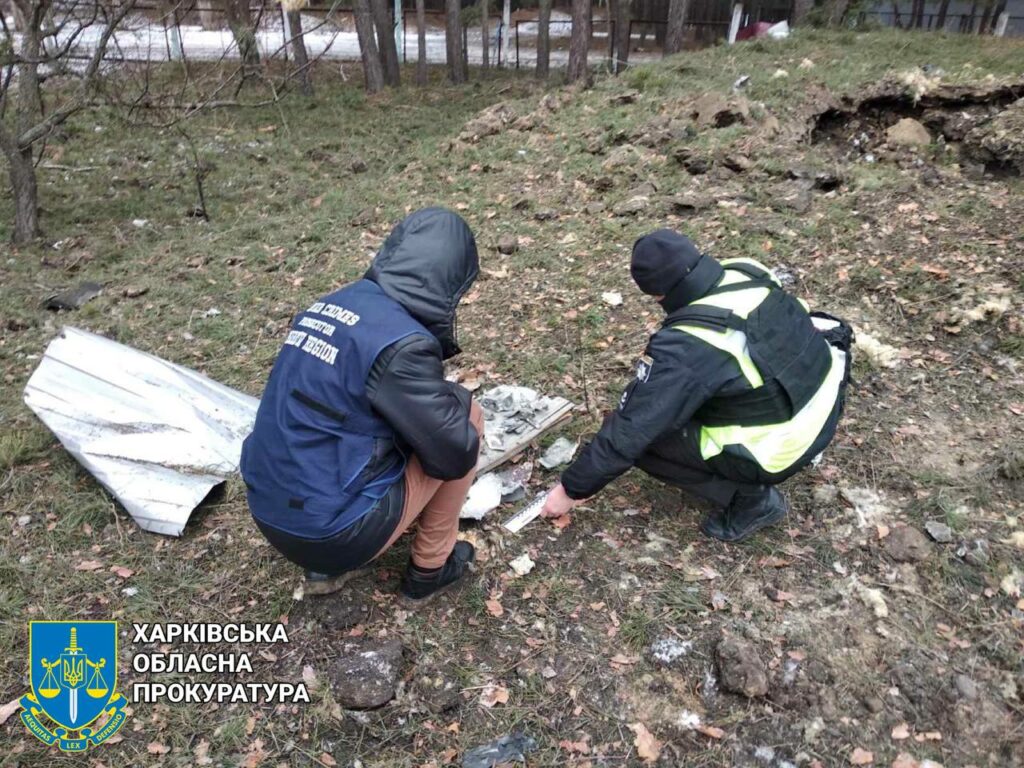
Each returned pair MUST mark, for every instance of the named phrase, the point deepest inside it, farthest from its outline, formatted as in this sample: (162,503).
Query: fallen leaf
(1015,539)
(494,608)
(561,522)
(580,747)
(901,731)
(711,731)
(9,709)
(89,565)
(493,695)
(156,748)
(648,748)
(121,571)
(861,757)
(327,760)
(903,760)
(620,660)
(309,677)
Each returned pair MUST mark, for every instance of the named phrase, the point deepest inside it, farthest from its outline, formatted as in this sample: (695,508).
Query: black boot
(749,511)
(420,585)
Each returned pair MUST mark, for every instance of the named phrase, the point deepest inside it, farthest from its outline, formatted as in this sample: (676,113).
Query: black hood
(427,263)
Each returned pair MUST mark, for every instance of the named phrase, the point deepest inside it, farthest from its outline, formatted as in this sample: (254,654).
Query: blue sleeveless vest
(305,463)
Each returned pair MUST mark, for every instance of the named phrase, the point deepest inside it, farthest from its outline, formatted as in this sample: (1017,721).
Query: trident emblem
(73,665)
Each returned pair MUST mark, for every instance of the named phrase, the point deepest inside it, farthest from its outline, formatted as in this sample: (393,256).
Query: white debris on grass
(484,495)
(157,435)
(688,719)
(990,309)
(612,298)
(878,353)
(668,649)
(558,453)
(871,597)
(522,565)
(869,506)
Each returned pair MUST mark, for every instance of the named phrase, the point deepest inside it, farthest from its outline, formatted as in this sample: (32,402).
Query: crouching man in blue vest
(739,390)
(358,435)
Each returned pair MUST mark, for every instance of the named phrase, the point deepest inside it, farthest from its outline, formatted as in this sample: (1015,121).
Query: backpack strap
(706,316)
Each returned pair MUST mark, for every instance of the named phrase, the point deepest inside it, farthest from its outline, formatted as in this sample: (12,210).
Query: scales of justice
(74,671)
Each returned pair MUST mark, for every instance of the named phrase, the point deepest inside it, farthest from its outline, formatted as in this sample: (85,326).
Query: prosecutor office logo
(73,672)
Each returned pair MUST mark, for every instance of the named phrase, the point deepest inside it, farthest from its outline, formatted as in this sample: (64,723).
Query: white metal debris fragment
(157,435)
(522,565)
(513,417)
(484,495)
(612,298)
(558,453)
(514,480)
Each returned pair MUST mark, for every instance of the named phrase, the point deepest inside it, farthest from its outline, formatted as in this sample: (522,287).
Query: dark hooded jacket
(359,387)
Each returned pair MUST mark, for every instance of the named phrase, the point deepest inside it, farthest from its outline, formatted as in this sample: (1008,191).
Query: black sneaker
(420,586)
(746,514)
(323,584)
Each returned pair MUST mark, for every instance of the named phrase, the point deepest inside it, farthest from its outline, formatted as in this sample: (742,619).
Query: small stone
(940,532)
(690,203)
(358,166)
(134,291)
(438,690)
(906,545)
(908,132)
(966,687)
(545,214)
(595,207)
(626,97)
(24,520)
(874,705)
(366,673)
(508,244)
(976,554)
(632,206)
(740,668)
(738,163)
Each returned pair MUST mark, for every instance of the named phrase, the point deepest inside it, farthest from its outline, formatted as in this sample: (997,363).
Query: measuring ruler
(526,515)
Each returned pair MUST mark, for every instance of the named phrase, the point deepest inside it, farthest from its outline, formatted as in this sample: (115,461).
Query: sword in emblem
(73,674)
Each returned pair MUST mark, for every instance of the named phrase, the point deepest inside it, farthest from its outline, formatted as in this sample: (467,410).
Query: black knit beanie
(662,259)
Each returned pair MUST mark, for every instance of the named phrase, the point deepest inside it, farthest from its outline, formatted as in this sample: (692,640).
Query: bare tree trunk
(485,36)
(623,11)
(800,10)
(674,36)
(207,18)
(579,42)
(298,45)
(240,21)
(544,40)
(940,23)
(986,17)
(453,42)
(373,72)
(421,42)
(26,195)
(917,14)
(386,42)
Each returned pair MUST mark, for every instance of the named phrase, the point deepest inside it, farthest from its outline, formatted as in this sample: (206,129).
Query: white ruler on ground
(526,515)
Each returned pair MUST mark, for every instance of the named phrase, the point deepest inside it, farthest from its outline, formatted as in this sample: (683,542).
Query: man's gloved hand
(558,502)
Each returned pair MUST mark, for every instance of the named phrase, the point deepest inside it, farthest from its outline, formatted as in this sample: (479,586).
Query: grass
(291,219)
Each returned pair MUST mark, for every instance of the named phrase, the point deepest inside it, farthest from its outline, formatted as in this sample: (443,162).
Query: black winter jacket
(427,264)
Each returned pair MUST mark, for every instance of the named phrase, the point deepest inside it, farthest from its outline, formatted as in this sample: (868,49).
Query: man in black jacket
(736,392)
(358,435)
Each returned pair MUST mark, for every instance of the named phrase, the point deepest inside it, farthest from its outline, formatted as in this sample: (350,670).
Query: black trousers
(675,459)
(350,548)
